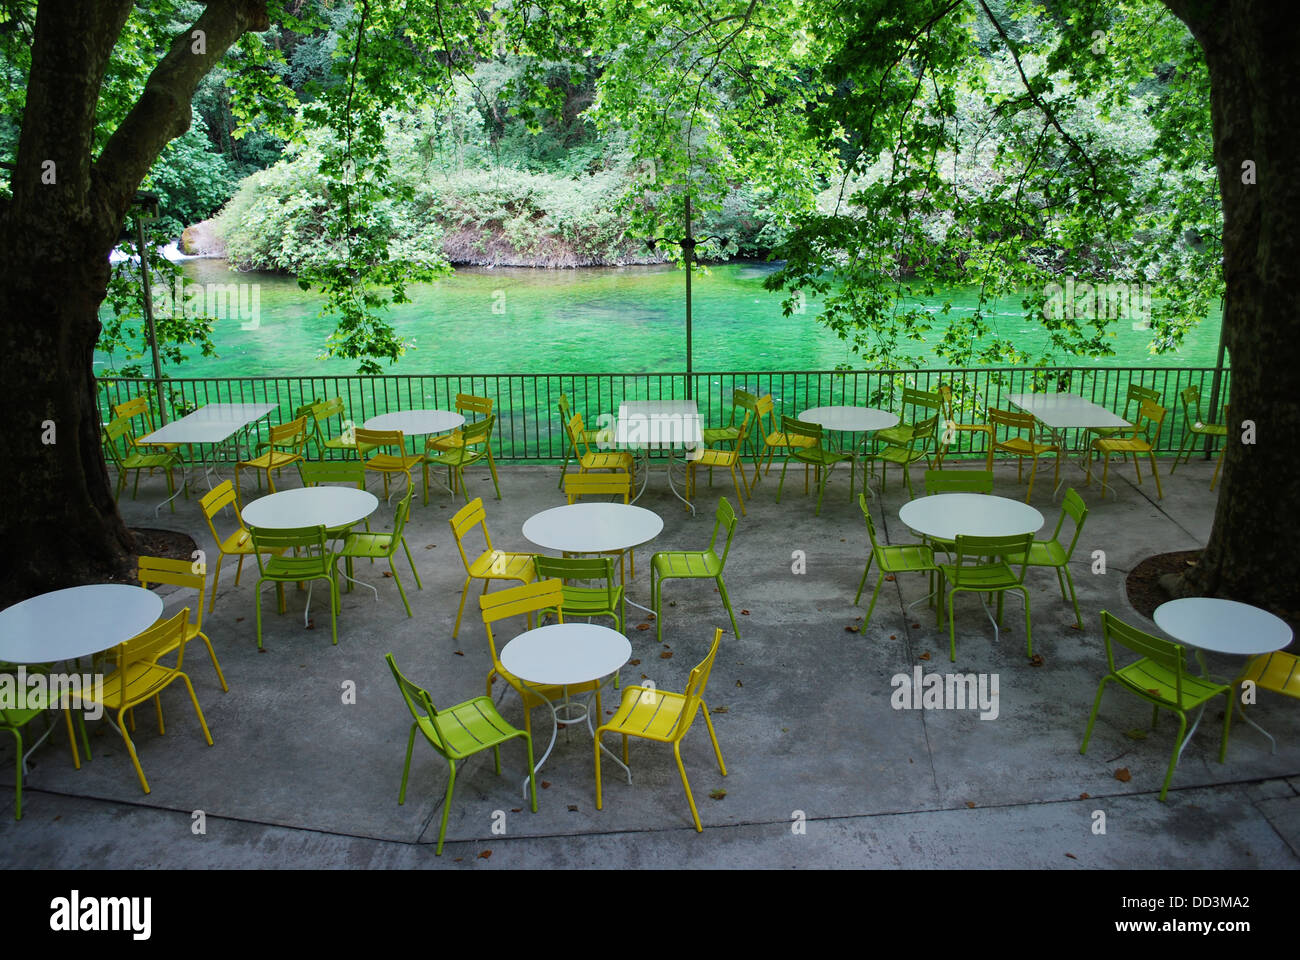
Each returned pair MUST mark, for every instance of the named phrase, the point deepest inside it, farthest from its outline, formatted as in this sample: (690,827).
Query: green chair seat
(893,558)
(382,546)
(714,435)
(982,566)
(606,600)
(279,566)
(993,576)
(898,435)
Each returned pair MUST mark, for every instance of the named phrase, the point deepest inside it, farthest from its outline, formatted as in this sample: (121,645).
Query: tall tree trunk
(60,525)
(1250,47)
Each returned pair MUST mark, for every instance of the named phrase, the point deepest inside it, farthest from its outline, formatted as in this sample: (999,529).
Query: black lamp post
(688,244)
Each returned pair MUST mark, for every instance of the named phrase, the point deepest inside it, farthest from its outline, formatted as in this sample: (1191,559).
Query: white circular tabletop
(593,527)
(331,507)
(1222,626)
(566,653)
(76,622)
(416,423)
(945,515)
(850,419)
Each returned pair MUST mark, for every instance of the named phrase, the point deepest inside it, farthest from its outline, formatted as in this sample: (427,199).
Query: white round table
(945,515)
(75,622)
(330,507)
(565,655)
(593,527)
(1221,626)
(850,419)
(417,423)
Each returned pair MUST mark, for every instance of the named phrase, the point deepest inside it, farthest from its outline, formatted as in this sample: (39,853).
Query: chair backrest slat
(175,573)
(316,472)
(958,481)
(1163,652)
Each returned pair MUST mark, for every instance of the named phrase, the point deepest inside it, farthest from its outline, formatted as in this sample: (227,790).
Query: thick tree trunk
(59,523)
(1250,47)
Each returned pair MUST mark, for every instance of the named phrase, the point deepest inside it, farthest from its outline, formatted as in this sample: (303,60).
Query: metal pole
(148,316)
(1215,385)
(688,248)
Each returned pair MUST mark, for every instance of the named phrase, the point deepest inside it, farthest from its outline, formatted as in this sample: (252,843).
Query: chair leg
(656,602)
(1029,637)
(686,784)
(1073,599)
(418,584)
(198,711)
(446,807)
(130,748)
(1227,723)
(493,468)
(216,577)
(1173,759)
(717,750)
(1178,458)
(1160,494)
(1218,464)
(461,610)
(406,767)
(1092,718)
(18,775)
(863,582)
(212,655)
(952,630)
(398,580)
(726,602)
(532,771)
(239,570)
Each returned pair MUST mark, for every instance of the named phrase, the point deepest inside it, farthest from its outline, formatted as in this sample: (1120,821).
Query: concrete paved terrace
(822,770)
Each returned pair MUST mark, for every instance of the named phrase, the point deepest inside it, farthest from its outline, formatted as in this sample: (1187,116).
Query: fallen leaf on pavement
(485,854)
(546,784)
(720,710)
(458,653)
(970,804)
(924,656)
(1122,775)
(717,794)
(643,626)
(851,628)
(635,663)
(666,655)
(1036,660)
(744,613)
(1072,856)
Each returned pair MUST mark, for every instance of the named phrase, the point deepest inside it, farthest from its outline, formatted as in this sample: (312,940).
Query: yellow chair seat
(780,439)
(237,542)
(1279,672)
(1022,446)
(607,461)
(389,463)
(1122,445)
(500,564)
(649,713)
(143,680)
(271,460)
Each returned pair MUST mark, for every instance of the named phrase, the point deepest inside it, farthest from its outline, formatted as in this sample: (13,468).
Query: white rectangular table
(209,426)
(1059,412)
(646,425)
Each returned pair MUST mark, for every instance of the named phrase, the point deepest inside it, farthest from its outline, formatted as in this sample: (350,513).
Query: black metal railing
(528,426)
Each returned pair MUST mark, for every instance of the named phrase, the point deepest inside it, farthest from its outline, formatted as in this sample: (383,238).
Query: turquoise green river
(600,320)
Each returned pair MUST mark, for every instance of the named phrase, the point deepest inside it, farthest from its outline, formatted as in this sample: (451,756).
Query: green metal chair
(694,565)
(916,448)
(606,600)
(955,481)
(916,400)
(15,718)
(292,445)
(812,454)
(741,401)
(476,445)
(588,438)
(456,733)
(382,546)
(1191,398)
(893,559)
(114,434)
(989,570)
(1160,679)
(278,566)
(1053,553)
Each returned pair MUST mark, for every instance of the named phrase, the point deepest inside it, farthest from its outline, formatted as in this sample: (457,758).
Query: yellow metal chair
(140,407)
(125,459)
(773,439)
(491,564)
(287,445)
(1021,447)
(475,443)
(541,596)
(139,677)
(949,428)
(455,441)
(588,437)
(654,714)
(384,463)
(1139,441)
(578,485)
(1218,464)
(239,543)
(722,458)
(1278,672)
(181,573)
(619,460)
